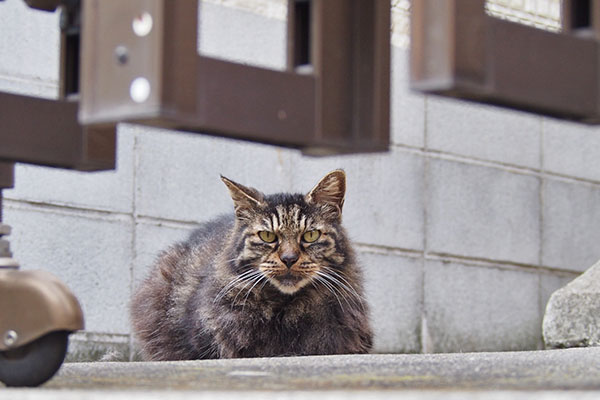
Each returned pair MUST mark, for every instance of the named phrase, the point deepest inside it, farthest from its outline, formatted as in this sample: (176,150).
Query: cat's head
(289,240)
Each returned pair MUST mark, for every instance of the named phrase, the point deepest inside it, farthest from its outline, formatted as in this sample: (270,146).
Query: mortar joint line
(425,343)
(542,187)
(134,218)
(506,167)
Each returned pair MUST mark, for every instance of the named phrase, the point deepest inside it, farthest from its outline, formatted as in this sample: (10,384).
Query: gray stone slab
(571,149)
(90,253)
(28,44)
(541,370)
(572,315)
(393,286)
(571,225)
(407,108)
(470,308)
(58,394)
(179,177)
(105,190)
(245,37)
(483,132)
(384,196)
(482,212)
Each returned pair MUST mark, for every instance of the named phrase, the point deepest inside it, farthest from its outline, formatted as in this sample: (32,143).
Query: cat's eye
(311,236)
(266,236)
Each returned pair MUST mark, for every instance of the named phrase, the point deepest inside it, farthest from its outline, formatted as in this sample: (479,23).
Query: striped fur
(225,292)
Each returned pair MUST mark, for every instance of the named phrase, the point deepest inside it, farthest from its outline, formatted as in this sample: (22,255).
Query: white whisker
(344,284)
(231,285)
(250,281)
(329,287)
(250,290)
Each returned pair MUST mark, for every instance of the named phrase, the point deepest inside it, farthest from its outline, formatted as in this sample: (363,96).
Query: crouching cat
(277,278)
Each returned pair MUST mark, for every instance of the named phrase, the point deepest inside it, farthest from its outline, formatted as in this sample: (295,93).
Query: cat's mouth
(288,279)
(289,283)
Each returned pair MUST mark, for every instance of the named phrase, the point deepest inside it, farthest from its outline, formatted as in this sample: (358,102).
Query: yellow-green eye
(267,236)
(311,236)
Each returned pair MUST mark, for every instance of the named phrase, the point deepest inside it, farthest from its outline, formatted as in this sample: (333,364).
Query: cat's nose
(289,258)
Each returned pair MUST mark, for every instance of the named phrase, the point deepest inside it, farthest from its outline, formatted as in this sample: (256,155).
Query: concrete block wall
(464,228)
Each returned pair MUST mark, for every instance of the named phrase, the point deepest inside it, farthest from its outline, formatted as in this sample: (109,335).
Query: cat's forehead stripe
(274,222)
(303,222)
(287,216)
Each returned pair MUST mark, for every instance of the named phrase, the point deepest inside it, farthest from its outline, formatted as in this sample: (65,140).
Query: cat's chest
(272,330)
(287,313)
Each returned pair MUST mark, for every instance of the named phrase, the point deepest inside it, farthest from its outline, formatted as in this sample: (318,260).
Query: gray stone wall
(465,227)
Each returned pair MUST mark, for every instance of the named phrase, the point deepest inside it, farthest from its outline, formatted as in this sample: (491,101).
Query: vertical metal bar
(331,55)
(595,17)
(7,179)
(448,42)
(180,59)
(352,95)
(372,80)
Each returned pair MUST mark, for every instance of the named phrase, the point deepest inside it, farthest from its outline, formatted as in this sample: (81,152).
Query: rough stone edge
(559,308)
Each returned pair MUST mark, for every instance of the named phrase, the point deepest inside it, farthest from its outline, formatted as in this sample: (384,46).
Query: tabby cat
(278,278)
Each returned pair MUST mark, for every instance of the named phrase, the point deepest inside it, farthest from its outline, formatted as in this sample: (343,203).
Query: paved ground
(543,374)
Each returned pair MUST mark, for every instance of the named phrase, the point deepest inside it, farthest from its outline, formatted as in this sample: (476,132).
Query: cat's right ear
(329,193)
(245,199)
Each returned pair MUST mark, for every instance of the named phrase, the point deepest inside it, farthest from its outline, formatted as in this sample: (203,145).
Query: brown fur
(225,292)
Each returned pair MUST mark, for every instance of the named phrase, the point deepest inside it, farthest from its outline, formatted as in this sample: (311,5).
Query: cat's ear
(245,199)
(330,191)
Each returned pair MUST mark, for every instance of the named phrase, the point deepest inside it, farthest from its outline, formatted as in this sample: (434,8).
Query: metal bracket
(459,51)
(137,61)
(140,64)
(47,132)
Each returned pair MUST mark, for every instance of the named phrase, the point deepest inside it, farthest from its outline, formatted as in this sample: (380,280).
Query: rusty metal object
(34,303)
(459,51)
(140,64)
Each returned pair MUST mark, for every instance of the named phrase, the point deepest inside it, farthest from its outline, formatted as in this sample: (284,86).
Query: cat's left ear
(330,191)
(245,199)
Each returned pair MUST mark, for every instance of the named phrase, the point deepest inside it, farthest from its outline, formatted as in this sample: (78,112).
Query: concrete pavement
(540,374)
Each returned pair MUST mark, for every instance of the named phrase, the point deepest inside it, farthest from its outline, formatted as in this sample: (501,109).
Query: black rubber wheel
(35,362)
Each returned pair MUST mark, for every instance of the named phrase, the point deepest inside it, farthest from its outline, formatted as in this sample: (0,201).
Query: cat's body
(279,278)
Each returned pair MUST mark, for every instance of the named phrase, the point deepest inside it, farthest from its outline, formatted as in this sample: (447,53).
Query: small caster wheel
(34,363)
